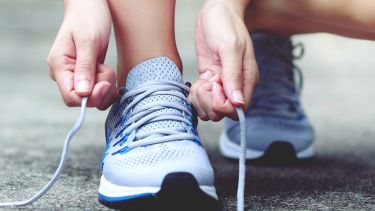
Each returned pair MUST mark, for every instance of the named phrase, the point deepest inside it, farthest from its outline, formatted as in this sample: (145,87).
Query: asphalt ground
(338,95)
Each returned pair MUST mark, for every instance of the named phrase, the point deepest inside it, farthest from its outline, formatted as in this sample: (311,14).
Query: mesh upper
(160,68)
(147,165)
(153,155)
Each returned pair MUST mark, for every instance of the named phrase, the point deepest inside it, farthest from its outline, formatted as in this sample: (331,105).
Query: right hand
(76,59)
(226,61)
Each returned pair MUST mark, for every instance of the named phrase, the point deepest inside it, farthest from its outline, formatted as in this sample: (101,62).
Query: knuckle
(69,102)
(54,61)
(203,117)
(85,66)
(237,76)
(102,107)
(215,117)
(217,108)
(234,42)
(88,39)
(111,73)
(112,78)
(64,60)
(193,87)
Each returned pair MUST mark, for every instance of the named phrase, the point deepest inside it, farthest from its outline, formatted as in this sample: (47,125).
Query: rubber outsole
(279,149)
(179,191)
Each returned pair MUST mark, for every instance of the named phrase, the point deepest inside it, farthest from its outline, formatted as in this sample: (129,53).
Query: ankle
(125,65)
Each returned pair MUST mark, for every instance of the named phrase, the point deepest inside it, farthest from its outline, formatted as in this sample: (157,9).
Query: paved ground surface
(339,96)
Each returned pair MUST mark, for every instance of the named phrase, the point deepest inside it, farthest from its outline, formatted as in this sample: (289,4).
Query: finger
(108,100)
(84,73)
(106,73)
(99,90)
(221,104)
(231,58)
(204,97)
(206,75)
(105,85)
(250,74)
(59,62)
(193,97)
(64,80)
(103,54)
(61,54)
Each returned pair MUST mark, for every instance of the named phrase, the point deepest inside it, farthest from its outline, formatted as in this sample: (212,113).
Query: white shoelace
(136,117)
(59,169)
(77,126)
(241,162)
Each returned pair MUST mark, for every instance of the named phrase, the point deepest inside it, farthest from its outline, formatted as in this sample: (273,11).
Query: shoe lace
(157,136)
(134,118)
(278,91)
(241,161)
(59,169)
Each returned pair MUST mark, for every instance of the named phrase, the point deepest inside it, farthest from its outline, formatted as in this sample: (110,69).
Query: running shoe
(276,123)
(154,159)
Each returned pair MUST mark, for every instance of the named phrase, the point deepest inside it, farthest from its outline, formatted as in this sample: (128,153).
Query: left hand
(227,66)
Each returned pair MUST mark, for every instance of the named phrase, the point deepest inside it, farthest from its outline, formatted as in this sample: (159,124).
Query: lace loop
(141,115)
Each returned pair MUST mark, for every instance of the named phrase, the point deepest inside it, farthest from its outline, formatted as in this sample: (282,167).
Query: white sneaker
(154,159)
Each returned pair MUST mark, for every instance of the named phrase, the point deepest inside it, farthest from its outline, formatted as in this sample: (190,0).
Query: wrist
(77,3)
(239,5)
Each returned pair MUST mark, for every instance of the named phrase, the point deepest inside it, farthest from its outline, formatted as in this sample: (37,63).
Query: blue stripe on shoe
(123,198)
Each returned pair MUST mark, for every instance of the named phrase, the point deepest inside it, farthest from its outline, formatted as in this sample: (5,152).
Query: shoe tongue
(156,69)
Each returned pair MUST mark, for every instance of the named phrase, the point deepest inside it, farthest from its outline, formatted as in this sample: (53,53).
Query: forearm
(353,18)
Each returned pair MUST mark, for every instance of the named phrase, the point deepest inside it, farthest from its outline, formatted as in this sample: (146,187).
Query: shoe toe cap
(147,166)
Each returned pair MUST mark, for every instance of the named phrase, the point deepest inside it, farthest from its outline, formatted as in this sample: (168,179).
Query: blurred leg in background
(277,128)
(277,125)
(352,18)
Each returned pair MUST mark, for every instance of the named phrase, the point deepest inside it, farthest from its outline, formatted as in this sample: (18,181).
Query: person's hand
(78,53)
(227,66)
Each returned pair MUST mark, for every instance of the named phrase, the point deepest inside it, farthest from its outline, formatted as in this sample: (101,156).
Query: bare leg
(352,18)
(144,29)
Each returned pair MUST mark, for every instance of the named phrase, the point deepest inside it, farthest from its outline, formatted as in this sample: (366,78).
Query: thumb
(232,76)
(84,72)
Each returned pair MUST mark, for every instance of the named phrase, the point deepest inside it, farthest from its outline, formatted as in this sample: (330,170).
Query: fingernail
(214,89)
(83,86)
(237,96)
(207,75)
